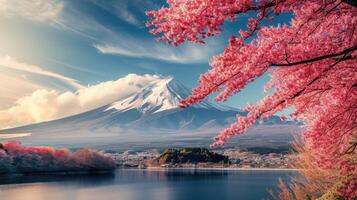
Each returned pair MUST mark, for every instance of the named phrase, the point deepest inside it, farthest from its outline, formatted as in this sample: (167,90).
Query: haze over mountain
(150,114)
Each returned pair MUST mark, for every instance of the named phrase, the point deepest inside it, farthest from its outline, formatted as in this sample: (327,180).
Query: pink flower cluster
(16,158)
(312,62)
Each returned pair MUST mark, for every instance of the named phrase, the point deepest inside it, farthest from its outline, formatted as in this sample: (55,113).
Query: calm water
(144,185)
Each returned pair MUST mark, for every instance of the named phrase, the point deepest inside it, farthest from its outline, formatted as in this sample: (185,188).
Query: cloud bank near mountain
(44,104)
(15,158)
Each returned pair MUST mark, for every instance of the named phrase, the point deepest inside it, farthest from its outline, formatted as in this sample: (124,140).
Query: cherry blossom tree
(311,61)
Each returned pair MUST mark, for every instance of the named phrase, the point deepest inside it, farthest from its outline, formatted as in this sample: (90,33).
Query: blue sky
(71,44)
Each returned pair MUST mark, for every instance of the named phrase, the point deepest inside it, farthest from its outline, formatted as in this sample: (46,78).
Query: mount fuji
(148,116)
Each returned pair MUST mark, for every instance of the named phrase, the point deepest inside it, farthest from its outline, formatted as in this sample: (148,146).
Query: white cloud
(107,40)
(189,53)
(44,104)
(37,10)
(124,44)
(124,14)
(14,86)
(11,63)
(124,9)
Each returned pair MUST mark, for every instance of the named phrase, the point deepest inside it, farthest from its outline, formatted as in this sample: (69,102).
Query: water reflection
(106,178)
(143,185)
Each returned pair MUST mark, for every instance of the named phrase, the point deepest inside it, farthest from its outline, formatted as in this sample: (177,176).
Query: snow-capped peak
(155,97)
(159,95)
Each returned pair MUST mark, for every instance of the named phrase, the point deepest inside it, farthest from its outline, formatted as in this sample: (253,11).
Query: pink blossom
(312,63)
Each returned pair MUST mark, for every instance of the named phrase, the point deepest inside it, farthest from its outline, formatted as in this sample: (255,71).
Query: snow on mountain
(156,97)
(159,95)
(151,112)
(154,101)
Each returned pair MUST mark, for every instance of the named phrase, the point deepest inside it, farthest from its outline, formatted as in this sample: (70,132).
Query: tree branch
(271,4)
(298,93)
(259,7)
(338,60)
(344,52)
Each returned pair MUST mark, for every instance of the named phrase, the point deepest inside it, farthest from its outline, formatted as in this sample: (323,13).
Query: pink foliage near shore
(312,63)
(16,158)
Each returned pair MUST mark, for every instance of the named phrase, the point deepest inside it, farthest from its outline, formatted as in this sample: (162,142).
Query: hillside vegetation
(191,155)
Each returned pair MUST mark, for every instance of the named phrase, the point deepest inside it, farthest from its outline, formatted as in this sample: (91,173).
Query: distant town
(203,158)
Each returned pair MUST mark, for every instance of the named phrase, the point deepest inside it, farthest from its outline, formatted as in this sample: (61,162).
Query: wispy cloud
(123,12)
(15,86)
(108,40)
(130,11)
(123,44)
(72,67)
(37,10)
(184,55)
(11,63)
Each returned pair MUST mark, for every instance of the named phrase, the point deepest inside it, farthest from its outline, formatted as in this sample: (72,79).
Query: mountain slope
(153,107)
(152,112)
(160,95)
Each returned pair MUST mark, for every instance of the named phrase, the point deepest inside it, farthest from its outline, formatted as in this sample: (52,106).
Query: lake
(172,184)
